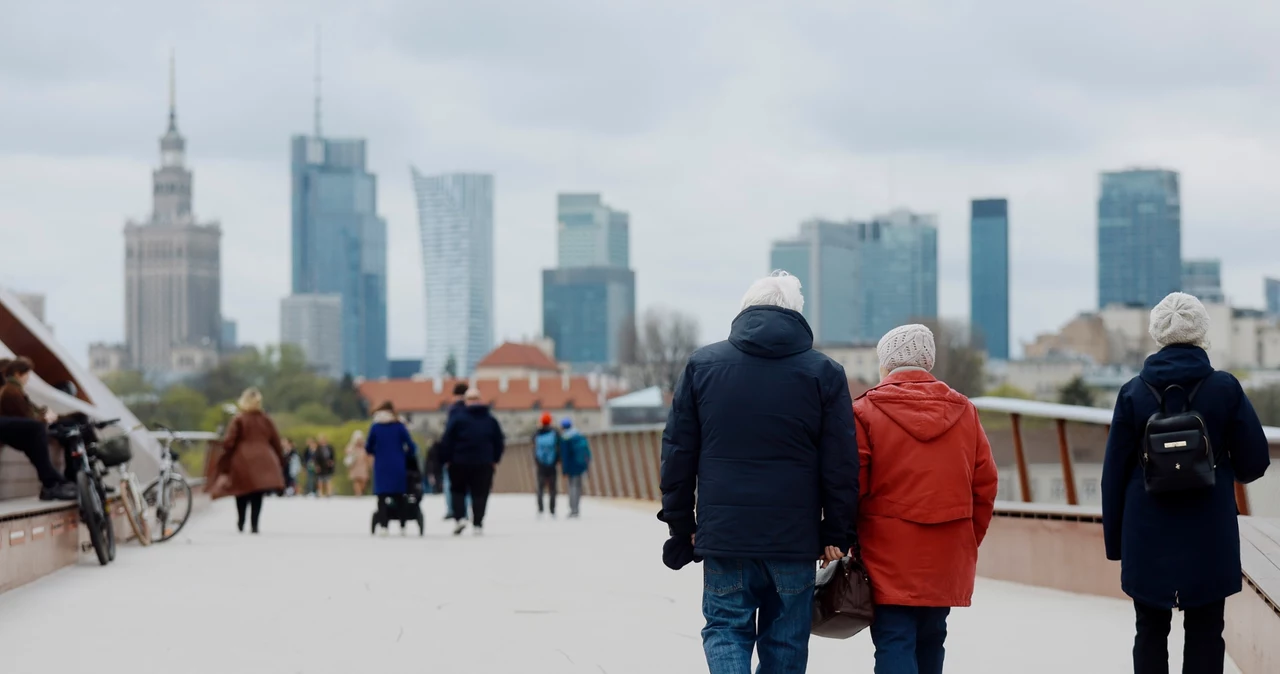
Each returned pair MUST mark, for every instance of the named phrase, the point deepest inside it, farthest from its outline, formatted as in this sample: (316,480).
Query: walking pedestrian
(309,462)
(326,466)
(471,450)
(356,460)
(1179,544)
(389,442)
(252,460)
(292,467)
(459,404)
(575,460)
(546,457)
(928,489)
(761,430)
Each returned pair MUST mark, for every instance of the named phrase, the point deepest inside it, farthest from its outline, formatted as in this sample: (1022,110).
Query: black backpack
(1176,453)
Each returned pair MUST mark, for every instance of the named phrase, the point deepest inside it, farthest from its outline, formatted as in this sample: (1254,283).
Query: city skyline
(718,155)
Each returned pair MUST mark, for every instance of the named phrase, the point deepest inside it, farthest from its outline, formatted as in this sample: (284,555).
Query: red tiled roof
(410,395)
(511,354)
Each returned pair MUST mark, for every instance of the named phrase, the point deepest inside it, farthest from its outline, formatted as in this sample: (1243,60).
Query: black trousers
(253,503)
(1204,651)
(476,480)
(31,437)
(547,482)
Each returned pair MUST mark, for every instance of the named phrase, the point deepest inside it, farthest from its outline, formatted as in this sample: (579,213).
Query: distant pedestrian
(928,490)
(760,478)
(292,467)
(471,449)
(389,443)
(309,463)
(252,460)
(1178,541)
(326,465)
(546,458)
(356,460)
(457,406)
(574,461)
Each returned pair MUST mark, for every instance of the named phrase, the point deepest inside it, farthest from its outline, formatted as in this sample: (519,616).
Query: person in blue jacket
(388,442)
(1180,549)
(574,462)
(761,430)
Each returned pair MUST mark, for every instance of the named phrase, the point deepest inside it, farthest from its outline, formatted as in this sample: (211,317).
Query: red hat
(545,419)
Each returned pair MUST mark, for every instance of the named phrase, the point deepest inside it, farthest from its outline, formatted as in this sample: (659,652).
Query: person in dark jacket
(762,431)
(546,457)
(575,459)
(471,450)
(23,427)
(459,404)
(1180,549)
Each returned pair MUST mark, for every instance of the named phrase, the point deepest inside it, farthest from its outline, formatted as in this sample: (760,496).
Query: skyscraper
(989,275)
(1203,278)
(1272,288)
(1139,237)
(862,279)
(589,300)
(340,244)
(314,324)
(826,258)
(455,218)
(173,281)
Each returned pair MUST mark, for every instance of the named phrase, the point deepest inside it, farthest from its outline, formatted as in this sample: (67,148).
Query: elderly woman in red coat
(928,488)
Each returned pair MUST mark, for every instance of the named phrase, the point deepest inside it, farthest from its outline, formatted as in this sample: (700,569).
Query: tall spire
(317,80)
(173,95)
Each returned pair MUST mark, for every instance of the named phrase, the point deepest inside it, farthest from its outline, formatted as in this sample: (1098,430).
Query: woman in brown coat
(252,462)
(357,463)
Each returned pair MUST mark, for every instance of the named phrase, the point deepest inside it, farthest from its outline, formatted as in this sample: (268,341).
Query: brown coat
(14,403)
(252,457)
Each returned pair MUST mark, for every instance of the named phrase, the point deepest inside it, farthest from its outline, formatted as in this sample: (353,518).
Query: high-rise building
(230,340)
(455,219)
(989,275)
(1272,289)
(585,311)
(862,279)
(589,300)
(590,234)
(172,264)
(1139,237)
(314,323)
(340,242)
(825,257)
(1203,278)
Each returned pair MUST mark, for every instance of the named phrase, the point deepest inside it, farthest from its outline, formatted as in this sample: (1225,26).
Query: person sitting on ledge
(22,427)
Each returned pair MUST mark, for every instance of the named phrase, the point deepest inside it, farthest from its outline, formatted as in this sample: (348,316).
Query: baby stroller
(404,507)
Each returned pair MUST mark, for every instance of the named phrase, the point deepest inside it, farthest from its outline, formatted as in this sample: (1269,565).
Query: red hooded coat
(928,488)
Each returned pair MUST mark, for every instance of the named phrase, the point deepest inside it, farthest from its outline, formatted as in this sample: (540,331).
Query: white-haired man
(762,430)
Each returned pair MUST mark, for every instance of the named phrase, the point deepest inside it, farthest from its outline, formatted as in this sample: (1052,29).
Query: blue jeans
(753,604)
(909,639)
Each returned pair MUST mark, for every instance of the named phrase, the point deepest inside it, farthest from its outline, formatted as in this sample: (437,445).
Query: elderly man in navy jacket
(761,430)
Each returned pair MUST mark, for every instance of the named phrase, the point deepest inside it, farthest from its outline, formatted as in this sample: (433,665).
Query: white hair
(778,289)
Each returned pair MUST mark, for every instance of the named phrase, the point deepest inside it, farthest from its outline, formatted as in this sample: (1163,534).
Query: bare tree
(655,351)
(958,362)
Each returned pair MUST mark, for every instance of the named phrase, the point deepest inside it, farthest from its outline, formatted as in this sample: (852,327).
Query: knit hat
(544,420)
(1180,319)
(907,346)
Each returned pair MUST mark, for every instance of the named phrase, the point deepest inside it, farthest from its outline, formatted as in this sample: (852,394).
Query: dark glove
(677,552)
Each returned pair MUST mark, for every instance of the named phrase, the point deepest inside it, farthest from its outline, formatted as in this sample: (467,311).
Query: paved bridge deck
(315,593)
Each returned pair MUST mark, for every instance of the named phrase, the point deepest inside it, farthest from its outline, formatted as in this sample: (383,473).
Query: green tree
(346,402)
(957,363)
(1009,391)
(181,407)
(1076,392)
(316,413)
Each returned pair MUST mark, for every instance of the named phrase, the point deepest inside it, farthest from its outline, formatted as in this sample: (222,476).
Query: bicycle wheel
(166,524)
(94,517)
(135,510)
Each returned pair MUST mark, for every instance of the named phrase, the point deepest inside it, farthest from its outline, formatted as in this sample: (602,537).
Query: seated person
(23,427)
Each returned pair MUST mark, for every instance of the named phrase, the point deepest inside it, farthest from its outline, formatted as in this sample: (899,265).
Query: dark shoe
(255,531)
(461,526)
(240,526)
(63,492)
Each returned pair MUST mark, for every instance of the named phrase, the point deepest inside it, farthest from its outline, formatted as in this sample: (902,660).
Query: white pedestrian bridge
(315,593)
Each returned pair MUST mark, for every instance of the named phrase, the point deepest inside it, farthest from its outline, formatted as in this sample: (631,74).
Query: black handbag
(844,605)
(1176,452)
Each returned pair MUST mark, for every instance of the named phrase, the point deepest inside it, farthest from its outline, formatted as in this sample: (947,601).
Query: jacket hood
(570,432)
(1176,364)
(923,406)
(770,332)
(384,417)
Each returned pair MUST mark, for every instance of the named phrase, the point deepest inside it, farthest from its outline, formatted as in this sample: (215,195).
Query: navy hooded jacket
(472,437)
(1183,548)
(762,430)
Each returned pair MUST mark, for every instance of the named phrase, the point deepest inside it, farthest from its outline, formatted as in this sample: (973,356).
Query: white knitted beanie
(907,346)
(1180,319)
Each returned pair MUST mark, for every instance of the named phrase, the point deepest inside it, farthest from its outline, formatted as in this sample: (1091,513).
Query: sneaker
(63,492)
(477,531)
(461,526)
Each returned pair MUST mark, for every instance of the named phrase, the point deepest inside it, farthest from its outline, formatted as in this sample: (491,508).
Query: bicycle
(91,492)
(169,493)
(116,452)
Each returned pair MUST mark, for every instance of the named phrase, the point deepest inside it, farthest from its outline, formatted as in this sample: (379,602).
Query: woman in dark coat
(1180,549)
(388,443)
(252,461)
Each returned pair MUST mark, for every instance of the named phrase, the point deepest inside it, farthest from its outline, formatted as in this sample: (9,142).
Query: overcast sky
(718,125)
